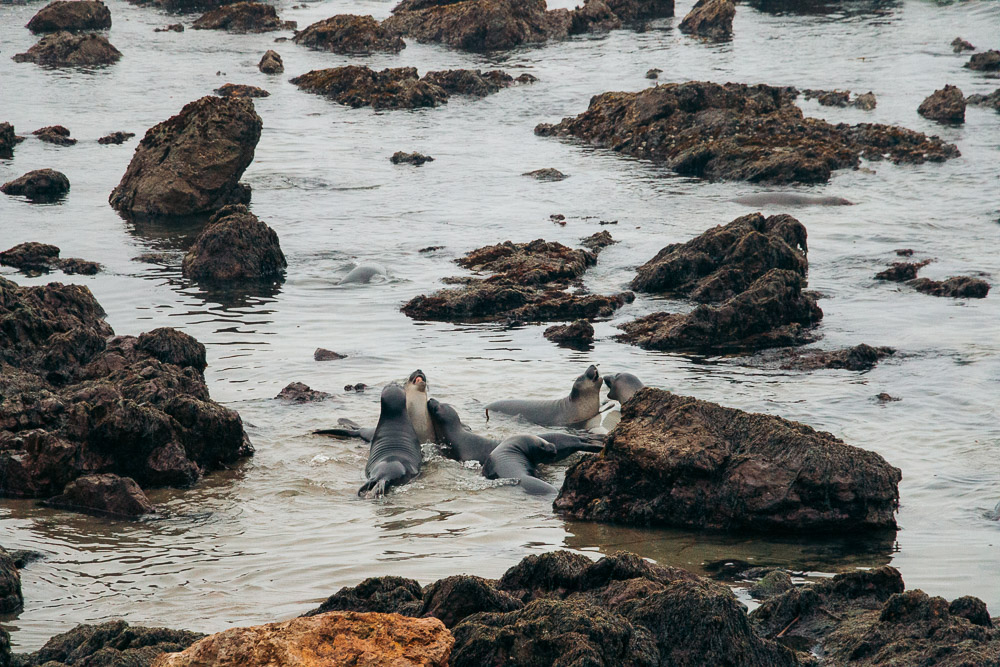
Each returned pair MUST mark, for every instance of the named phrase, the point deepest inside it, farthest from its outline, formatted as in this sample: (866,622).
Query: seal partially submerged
(394,457)
(365,273)
(516,458)
(575,410)
(416,406)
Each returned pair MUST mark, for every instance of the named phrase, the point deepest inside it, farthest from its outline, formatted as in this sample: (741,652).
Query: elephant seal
(516,458)
(394,457)
(416,406)
(363,274)
(621,386)
(468,446)
(348,429)
(788,199)
(582,404)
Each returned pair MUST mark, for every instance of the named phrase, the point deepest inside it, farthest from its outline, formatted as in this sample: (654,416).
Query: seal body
(575,410)
(364,273)
(394,457)
(416,406)
(465,445)
(516,458)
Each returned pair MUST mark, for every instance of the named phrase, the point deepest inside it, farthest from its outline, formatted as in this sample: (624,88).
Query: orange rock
(334,638)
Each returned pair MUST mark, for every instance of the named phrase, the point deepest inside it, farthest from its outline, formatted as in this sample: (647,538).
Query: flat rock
(992,100)
(116,138)
(944,106)
(33,259)
(271,63)
(72,16)
(54,134)
(243,17)
(547,174)
(957,287)
(107,495)
(679,461)
(41,185)
(235,245)
(579,334)
(192,162)
(416,159)
(711,19)
(322,354)
(66,49)
(350,34)
(858,358)
(988,61)
(240,90)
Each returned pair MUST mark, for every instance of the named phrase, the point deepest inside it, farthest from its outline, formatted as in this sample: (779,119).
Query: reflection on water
(280,532)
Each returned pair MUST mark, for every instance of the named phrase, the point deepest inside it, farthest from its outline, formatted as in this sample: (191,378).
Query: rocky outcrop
(72,16)
(957,287)
(739,132)
(772,312)
(945,106)
(399,87)
(240,90)
(958,45)
(11,597)
(116,138)
(243,17)
(192,162)
(988,61)
(66,49)
(350,34)
(416,159)
(105,495)
(576,335)
(270,63)
(858,358)
(528,283)
(679,461)
(78,401)
(114,643)
(711,19)
(235,245)
(7,141)
(992,101)
(334,638)
(41,185)
(34,259)
(726,260)
(299,392)
(54,134)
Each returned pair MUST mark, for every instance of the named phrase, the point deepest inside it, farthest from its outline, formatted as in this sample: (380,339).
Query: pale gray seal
(394,457)
(621,386)
(789,199)
(416,406)
(363,273)
(575,410)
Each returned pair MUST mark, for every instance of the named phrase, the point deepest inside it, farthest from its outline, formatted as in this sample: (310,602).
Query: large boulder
(988,61)
(739,132)
(679,461)
(334,638)
(725,260)
(111,644)
(105,495)
(271,63)
(945,106)
(711,19)
(11,598)
(235,245)
(192,162)
(242,17)
(957,287)
(44,185)
(66,49)
(71,15)
(350,34)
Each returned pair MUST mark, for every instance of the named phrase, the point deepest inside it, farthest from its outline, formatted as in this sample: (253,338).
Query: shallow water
(271,538)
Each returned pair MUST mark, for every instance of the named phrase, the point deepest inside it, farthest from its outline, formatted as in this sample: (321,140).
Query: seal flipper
(567,445)
(537,487)
(383,474)
(349,429)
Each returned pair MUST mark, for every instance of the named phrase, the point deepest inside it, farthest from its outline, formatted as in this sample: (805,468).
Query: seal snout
(592,374)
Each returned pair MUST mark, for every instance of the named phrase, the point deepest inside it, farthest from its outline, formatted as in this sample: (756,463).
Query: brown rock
(711,19)
(865,101)
(598,241)
(114,643)
(472,82)
(7,141)
(579,334)
(828,98)
(271,63)
(298,392)
(678,461)
(242,17)
(383,595)
(74,16)
(41,185)
(547,174)
(11,598)
(901,271)
(106,494)
(945,106)
(957,287)
(858,358)
(992,100)
(322,354)
(359,86)
(66,49)
(332,639)
(34,259)
(416,159)
(235,245)
(116,138)
(350,34)
(988,61)
(958,45)
(192,162)
(54,134)
(240,90)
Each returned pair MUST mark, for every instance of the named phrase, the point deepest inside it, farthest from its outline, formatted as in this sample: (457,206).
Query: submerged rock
(298,392)
(547,174)
(74,16)
(235,245)
(901,271)
(992,100)
(726,260)
(958,45)
(34,259)
(106,494)
(865,101)
(11,597)
(957,287)
(191,163)
(988,61)
(114,643)
(678,461)
(116,138)
(54,134)
(772,312)
(858,358)
(243,17)
(945,106)
(173,27)
(240,90)
(416,159)
(41,185)
(828,98)
(473,82)
(270,63)
(576,335)
(334,638)
(711,19)
(66,49)
(322,354)
(350,34)
(739,132)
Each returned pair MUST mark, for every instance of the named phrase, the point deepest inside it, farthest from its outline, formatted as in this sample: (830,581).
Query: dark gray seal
(575,410)
(348,429)
(621,386)
(789,199)
(394,457)
(516,458)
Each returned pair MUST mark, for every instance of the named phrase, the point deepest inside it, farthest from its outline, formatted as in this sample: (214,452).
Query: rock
(359,387)
(106,494)
(711,19)
(739,132)
(116,138)
(242,17)
(865,101)
(957,287)
(297,392)
(988,61)
(654,73)
(945,106)
(384,595)
(240,90)
(192,162)
(34,259)
(79,402)
(453,599)
(579,334)
(431,248)
(725,260)
(334,638)
(55,134)
(547,174)
(416,159)
(472,82)
(25,557)
(271,63)
(858,358)
(904,252)
(593,16)
(183,6)
(322,354)
(114,643)
(992,100)
(41,185)
(886,398)
(11,598)
(527,284)
(901,271)
(772,312)
(173,27)
(74,16)
(7,141)
(828,98)
(971,608)
(350,34)
(958,45)
(678,461)
(774,583)
(66,49)
(598,241)
(235,245)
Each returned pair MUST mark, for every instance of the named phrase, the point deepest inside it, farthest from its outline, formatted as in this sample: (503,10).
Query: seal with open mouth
(575,410)
(416,406)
